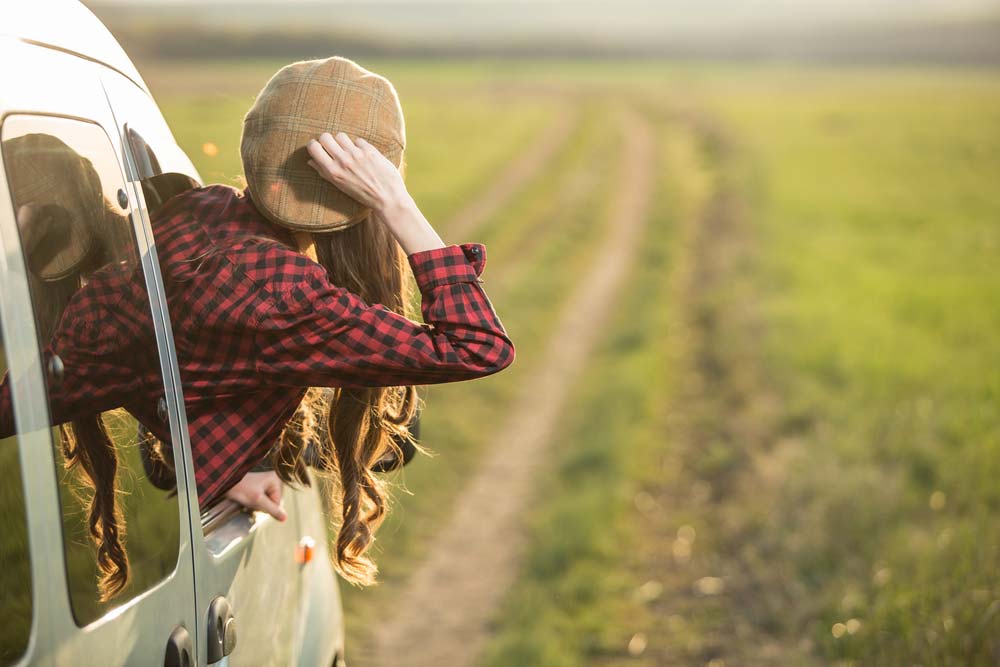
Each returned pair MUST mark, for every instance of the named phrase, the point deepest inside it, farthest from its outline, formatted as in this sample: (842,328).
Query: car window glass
(157,185)
(15,565)
(95,330)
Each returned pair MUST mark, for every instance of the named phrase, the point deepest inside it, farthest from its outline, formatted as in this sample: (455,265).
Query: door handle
(221,629)
(180,648)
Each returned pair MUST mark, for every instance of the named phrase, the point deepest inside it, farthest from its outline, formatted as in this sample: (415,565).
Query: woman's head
(301,101)
(354,428)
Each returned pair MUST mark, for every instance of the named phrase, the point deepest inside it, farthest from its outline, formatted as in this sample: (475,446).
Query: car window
(15,564)
(87,284)
(157,185)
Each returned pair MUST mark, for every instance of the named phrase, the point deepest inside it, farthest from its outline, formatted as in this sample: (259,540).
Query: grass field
(785,449)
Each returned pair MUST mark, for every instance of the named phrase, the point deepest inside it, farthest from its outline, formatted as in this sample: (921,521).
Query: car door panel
(133,630)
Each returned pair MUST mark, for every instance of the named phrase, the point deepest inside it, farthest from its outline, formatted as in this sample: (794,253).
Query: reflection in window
(95,330)
(15,564)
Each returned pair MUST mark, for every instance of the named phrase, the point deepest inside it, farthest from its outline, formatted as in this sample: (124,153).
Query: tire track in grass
(722,596)
(442,616)
(561,222)
(573,192)
(521,171)
(571,189)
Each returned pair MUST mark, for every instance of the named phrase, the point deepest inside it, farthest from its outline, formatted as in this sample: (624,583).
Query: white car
(216,585)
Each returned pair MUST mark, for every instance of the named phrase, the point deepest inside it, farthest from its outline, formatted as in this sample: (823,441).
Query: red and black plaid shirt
(255,323)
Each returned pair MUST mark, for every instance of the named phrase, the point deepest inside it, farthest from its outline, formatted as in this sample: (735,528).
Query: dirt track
(517,174)
(441,616)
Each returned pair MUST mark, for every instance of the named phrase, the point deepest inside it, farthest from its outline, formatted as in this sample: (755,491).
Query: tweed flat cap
(299,103)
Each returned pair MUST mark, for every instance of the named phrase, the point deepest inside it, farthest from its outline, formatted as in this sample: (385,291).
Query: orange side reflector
(304,550)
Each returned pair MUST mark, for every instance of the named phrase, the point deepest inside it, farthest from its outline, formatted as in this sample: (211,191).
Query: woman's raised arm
(315,333)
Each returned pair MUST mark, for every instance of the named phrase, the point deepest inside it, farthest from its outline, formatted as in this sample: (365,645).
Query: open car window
(157,185)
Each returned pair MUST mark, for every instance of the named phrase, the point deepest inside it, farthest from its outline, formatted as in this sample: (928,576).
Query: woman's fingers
(320,156)
(355,167)
(331,152)
(261,492)
(345,142)
(262,503)
(332,148)
(274,489)
(266,504)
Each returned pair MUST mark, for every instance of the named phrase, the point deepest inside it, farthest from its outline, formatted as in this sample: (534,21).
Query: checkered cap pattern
(299,103)
(255,324)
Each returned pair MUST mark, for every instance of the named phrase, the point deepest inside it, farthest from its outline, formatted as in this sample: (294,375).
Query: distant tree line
(957,43)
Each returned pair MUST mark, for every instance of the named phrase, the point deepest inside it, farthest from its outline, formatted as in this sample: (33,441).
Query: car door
(68,219)
(247,579)
(18,630)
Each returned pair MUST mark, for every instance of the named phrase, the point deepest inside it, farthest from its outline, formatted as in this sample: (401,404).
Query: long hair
(353,429)
(346,431)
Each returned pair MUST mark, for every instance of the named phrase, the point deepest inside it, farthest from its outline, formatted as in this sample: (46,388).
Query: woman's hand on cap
(357,169)
(361,172)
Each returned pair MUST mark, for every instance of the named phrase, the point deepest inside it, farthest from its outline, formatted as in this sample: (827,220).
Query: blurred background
(748,254)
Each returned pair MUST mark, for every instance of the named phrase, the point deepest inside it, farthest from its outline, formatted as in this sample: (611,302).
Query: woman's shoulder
(192,212)
(215,232)
(220,215)
(195,200)
(275,266)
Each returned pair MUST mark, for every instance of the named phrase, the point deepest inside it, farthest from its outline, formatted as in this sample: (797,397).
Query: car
(217,585)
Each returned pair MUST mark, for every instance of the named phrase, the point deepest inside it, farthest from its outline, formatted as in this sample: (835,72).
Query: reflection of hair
(355,428)
(88,446)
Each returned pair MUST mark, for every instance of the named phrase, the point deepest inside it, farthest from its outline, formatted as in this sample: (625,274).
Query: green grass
(867,488)
(574,602)
(877,209)
(528,300)
(863,530)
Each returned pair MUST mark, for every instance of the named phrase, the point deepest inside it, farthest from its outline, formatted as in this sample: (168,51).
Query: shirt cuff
(450,264)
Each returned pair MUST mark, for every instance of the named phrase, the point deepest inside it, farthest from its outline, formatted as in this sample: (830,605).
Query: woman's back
(256,323)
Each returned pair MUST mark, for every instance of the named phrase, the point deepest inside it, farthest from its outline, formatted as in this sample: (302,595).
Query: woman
(289,306)
(324,305)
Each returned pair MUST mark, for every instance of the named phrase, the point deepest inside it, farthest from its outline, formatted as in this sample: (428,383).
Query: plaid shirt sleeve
(315,333)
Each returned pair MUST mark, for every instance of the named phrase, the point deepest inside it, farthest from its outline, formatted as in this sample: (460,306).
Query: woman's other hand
(361,172)
(261,492)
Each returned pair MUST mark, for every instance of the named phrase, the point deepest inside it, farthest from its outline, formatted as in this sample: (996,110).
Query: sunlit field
(784,447)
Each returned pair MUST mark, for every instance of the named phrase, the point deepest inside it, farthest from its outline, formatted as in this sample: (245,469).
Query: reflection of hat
(299,103)
(58,197)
